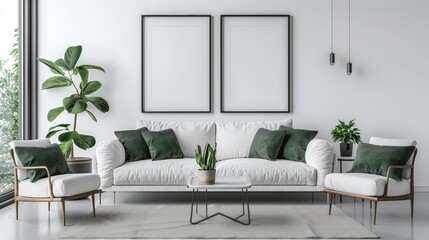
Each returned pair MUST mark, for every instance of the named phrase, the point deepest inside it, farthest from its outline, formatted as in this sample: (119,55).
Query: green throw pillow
(134,144)
(295,143)
(377,159)
(162,144)
(266,144)
(50,157)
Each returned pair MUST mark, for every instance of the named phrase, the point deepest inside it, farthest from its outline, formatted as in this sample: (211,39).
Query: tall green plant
(64,70)
(207,159)
(346,132)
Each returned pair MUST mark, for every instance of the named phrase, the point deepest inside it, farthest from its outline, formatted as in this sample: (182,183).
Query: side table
(342,159)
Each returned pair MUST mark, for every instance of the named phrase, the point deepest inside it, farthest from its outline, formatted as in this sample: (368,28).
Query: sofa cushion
(233,139)
(162,144)
(189,134)
(266,172)
(266,144)
(22,174)
(366,184)
(295,143)
(377,159)
(62,185)
(406,173)
(146,172)
(135,146)
(51,157)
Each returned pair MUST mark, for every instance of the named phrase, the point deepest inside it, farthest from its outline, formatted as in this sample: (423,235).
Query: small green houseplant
(64,69)
(346,134)
(207,162)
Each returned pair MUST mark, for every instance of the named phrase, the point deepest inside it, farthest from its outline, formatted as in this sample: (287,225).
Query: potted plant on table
(346,134)
(207,161)
(64,70)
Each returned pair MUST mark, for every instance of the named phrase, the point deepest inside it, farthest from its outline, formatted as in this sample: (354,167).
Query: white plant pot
(206,177)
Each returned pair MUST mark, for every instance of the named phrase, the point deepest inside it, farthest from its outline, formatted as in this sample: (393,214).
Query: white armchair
(59,188)
(375,187)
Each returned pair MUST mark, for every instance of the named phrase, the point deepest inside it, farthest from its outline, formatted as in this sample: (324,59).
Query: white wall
(387,93)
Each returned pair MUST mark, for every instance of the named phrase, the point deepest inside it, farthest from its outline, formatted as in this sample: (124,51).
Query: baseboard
(421,188)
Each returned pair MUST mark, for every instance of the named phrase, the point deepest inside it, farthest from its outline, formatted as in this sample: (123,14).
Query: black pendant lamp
(332,54)
(349,63)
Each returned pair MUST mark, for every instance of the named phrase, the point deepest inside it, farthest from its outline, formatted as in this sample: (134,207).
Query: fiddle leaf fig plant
(346,133)
(65,72)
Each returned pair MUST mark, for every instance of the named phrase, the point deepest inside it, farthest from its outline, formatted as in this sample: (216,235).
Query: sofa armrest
(320,155)
(110,155)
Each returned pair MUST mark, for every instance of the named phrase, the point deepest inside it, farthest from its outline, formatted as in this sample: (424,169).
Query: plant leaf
(91,115)
(91,87)
(71,56)
(60,63)
(52,133)
(59,125)
(88,66)
(54,68)
(74,105)
(84,74)
(83,141)
(99,103)
(65,137)
(54,113)
(66,148)
(55,82)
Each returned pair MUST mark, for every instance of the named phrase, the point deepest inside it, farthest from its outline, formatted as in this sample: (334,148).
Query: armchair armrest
(320,155)
(51,194)
(386,188)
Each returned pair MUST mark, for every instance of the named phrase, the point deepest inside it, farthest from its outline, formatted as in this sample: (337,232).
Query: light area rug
(171,221)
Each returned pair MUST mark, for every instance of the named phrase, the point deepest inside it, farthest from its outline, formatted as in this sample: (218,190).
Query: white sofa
(232,141)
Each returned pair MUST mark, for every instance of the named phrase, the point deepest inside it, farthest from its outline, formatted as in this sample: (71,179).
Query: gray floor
(393,219)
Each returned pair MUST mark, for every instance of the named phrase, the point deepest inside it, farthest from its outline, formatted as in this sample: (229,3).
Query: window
(18,83)
(9,89)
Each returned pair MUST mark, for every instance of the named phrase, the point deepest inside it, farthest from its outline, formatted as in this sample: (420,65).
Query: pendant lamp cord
(332,25)
(349,28)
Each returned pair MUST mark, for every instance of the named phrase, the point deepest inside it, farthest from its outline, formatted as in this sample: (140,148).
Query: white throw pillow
(189,134)
(22,174)
(233,139)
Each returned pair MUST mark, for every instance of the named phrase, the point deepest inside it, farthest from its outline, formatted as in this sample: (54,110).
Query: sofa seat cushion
(266,172)
(162,172)
(366,184)
(62,185)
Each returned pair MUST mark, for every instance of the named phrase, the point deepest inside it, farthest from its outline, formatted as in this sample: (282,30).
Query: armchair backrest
(406,173)
(22,174)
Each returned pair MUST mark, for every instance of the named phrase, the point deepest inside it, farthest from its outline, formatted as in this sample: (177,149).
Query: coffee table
(222,183)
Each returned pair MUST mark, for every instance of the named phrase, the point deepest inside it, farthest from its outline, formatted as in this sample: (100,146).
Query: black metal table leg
(222,214)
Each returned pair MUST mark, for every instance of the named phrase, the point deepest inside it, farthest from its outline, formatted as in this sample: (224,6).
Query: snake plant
(207,159)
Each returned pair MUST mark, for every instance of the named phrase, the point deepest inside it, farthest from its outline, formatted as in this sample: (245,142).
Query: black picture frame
(209,94)
(222,73)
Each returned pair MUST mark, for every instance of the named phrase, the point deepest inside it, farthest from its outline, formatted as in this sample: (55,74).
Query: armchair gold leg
(330,202)
(16,209)
(63,211)
(374,212)
(93,204)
